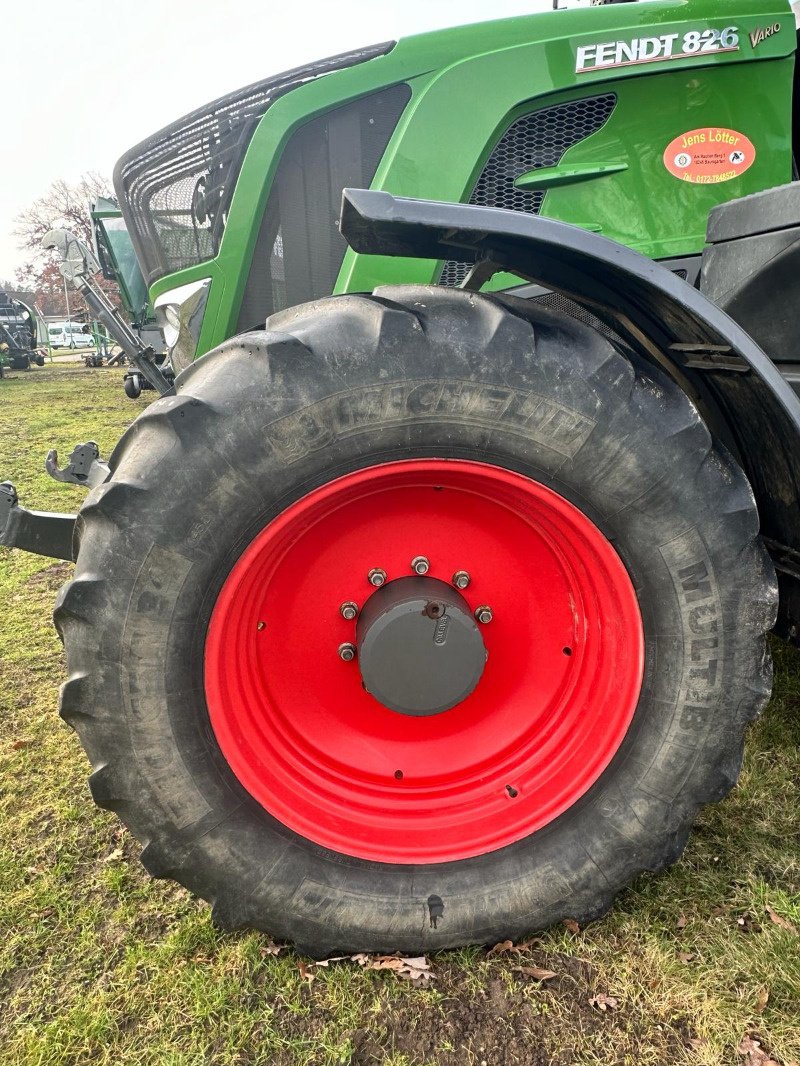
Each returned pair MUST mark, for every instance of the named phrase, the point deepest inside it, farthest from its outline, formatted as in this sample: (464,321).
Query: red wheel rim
(562,680)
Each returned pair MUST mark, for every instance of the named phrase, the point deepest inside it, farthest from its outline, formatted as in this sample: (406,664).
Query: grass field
(101,965)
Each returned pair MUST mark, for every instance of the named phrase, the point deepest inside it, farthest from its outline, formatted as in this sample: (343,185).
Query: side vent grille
(532,142)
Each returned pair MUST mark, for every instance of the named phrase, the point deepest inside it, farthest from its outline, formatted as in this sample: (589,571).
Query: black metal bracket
(41,532)
(85,467)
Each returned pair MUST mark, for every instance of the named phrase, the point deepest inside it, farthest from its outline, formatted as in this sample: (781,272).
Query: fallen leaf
(305,972)
(536,972)
(762,1000)
(686,956)
(114,855)
(333,958)
(503,946)
(754,1054)
(572,925)
(272,949)
(360,958)
(526,945)
(21,743)
(410,969)
(781,922)
(682,922)
(604,1002)
(697,1043)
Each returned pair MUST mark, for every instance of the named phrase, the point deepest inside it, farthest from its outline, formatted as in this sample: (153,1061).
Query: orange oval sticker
(709,155)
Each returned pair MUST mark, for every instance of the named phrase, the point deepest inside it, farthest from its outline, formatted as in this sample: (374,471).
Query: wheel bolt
(376,577)
(461,579)
(349,610)
(420,565)
(347,652)
(483,614)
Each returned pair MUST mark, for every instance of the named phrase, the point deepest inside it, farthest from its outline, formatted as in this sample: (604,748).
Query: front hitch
(40,532)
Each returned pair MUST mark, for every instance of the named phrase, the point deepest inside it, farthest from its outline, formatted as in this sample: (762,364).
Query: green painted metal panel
(672,65)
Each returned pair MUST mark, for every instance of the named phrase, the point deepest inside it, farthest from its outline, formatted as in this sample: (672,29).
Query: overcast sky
(83,80)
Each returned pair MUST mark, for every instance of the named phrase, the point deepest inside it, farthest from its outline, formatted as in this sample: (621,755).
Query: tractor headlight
(179,313)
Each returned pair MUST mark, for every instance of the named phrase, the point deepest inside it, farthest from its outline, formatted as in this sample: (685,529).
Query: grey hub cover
(420,650)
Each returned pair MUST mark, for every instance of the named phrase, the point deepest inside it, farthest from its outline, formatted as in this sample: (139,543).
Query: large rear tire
(181,550)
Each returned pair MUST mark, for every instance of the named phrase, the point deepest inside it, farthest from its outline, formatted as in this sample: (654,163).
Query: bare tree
(63,206)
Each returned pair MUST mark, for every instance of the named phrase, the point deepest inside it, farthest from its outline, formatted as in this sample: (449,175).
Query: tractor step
(40,532)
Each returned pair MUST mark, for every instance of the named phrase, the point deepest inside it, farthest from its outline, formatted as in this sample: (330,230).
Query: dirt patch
(512,1021)
(52,577)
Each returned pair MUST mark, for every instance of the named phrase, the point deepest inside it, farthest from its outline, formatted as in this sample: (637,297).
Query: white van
(69,335)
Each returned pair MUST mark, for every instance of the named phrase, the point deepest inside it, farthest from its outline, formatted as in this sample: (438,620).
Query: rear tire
(343,384)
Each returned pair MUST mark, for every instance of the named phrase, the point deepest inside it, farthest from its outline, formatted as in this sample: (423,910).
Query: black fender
(746,399)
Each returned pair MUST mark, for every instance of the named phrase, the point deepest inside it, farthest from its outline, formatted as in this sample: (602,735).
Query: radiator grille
(299,249)
(530,143)
(175,187)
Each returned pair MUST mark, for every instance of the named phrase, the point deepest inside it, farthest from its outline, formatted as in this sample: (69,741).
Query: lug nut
(347,652)
(349,610)
(461,579)
(376,577)
(420,565)
(483,614)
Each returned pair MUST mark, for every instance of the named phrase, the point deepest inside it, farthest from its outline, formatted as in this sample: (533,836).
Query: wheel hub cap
(419,649)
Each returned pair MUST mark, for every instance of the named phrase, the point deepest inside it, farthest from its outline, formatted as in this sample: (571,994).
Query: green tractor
(429,601)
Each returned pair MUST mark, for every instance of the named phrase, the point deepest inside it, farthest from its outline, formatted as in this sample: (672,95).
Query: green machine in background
(118,263)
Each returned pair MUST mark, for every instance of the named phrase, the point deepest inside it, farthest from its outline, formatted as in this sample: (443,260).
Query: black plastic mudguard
(657,314)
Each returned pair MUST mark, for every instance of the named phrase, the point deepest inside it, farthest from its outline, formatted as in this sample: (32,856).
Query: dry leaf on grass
(754,1054)
(762,1000)
(686,956)
(603,1002)
(536,972)
(506,946)
(682,922)
(572,925)
(501,948)
(271,948)
(21,743)
(114,855)
(781,922)
(410,969)
(417,969)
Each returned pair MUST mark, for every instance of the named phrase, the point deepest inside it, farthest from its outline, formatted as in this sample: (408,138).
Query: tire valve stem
(347,652)
(349,610)
(420,565)
(484,614)
(461,579)
(376,577)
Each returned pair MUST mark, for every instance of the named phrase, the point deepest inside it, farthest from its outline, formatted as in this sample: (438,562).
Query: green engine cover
(657,111)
